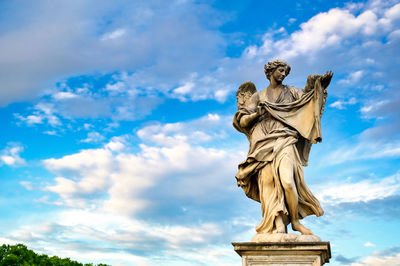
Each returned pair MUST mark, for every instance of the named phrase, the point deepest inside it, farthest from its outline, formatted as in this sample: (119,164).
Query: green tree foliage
(20,255)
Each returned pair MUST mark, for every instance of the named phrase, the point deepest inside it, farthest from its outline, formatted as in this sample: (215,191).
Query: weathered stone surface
(283,254)
(282,237)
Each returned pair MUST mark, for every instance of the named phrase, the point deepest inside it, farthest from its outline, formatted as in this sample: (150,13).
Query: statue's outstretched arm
(247,121)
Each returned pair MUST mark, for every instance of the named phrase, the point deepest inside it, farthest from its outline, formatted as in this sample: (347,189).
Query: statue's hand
(260,110)
(326,79)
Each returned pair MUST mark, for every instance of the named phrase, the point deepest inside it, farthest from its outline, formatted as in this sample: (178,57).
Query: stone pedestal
(280,253)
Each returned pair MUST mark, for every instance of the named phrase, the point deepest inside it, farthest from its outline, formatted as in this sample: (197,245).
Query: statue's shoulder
(255,98)
(296,92)
(256,95)
(292,88)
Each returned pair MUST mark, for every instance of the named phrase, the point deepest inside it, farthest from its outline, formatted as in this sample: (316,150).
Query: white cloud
(393,13)
(352,78)
(27,185)
(42,112)
(117,100)
(220,95)
(169,151)
(215,76)
(62,95)
(369,244)
(7,241)
(185,88)
(50,132)
(116,87)
(154,165)
(32,119)
(341,104)
(207,128)
(11,155)
(357,51)
(118,33)
(322,31)
(93,137)
(372,106)
(120,179)
(378,260)
(394,35)
(80,38)
(87,126)
(362,191)
(116,144)
(88,173)
(101,233)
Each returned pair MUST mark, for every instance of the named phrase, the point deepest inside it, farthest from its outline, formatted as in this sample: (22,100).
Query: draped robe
(289,127)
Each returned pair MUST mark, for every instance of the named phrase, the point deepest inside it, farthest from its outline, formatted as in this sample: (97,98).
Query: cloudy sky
(117,143)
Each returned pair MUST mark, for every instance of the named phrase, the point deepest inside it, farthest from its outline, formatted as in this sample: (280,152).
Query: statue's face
(279,73)
(243,99)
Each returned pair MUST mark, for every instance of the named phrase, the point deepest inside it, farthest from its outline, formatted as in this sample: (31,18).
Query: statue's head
(243,94)
(273,65)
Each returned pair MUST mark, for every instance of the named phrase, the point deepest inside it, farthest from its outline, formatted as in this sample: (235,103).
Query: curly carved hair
(271,66)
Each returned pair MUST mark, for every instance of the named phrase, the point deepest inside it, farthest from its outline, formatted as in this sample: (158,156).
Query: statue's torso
(267,124)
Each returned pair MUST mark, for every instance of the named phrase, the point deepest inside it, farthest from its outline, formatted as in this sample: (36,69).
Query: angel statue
(281,123)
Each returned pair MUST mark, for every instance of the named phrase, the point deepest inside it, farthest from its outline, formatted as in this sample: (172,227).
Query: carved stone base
(280,253)
(285,238)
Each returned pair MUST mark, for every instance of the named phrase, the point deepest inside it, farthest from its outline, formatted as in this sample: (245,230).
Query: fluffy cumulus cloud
(84,37)
(89,171)
(387,257)
(169,152)
(11,155)
(110,190)
(100,234)
(342,37)
(331,30)
(134,84)
(341,104)
(362,191)
(170,186)
(43,113)
(93,137)
(207,128)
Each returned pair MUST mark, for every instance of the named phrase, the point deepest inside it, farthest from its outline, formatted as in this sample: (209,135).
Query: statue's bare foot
(296,226)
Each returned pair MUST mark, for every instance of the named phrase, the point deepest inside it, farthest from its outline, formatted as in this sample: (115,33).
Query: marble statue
(281,123)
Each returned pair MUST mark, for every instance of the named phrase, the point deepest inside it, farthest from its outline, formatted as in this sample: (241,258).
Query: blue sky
(117,143)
